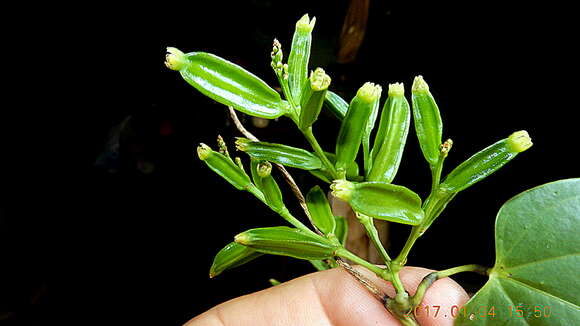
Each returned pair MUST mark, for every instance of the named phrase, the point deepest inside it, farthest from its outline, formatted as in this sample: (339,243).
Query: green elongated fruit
(336,104)
(225,167)
(486,162)
(268,185)
(391,136)
(313,97)
(354,124)
(227,83)
(320,265)
(277,153)
(341,229)
(300,55)
(428,124)
(320,210)
(287,241)
(381,200)
(231,256)
(366,140)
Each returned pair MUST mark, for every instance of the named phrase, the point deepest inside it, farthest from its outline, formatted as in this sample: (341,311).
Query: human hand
(333,297)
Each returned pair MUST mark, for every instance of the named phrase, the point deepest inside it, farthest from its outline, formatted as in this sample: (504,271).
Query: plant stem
(382,273)
(373,234)
(434,276)
(319,152)
(285,213)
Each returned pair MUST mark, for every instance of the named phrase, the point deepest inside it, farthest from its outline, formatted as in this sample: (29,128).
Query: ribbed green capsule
(486,162)
(336,104)
(428,124)
(225,167)
(299,56)
(281,154)
(320,210)
(287,241)
(262,176)
(381,200)
(366,140)
(391,136)
(227,83)
(312,98)
(231,256)
(354,124)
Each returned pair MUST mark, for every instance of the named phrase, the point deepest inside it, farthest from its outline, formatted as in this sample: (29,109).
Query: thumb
(334,297)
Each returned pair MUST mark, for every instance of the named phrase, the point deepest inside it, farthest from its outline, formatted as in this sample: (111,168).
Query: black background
(81,244)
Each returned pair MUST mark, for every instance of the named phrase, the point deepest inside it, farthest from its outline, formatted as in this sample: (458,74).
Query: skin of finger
(331,297)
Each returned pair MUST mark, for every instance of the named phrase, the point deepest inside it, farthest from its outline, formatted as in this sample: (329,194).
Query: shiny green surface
(535,277)
(231,256)
(278,153)
(286,241)
(320,210)
(230,84)
(428,124)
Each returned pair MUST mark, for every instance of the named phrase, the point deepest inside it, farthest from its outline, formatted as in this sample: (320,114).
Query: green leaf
(287,241)
(278,153)
(537,260)
(381,200)
(320,210)
(227,83)
(336,104)
(231,256)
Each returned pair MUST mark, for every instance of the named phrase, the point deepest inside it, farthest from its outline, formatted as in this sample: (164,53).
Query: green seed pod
(391,136)
(354,124)
(281,154)
(320,265)
(486,162)
(231,256)
(287,241)
(428,123)
(341,230)
(381,200)
(312,98)
(336,104)
(367,134)
(227,83)
(320,210)
(299,56)
(267,184)
(225,167)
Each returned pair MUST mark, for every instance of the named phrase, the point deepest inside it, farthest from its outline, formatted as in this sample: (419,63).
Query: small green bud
(446,147)
(313,96)
(305,24)
(175,59)
(519,141)
(342,189)
(223,148)
(319,80)
(203,151)
(264,169)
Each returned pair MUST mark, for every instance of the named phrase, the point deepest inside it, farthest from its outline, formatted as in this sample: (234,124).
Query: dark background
(90,234)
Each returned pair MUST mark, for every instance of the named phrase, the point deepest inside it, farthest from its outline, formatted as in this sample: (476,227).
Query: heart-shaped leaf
(535,277)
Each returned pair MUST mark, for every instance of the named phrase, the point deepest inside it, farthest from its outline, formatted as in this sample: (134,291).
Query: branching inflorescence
(369,191)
